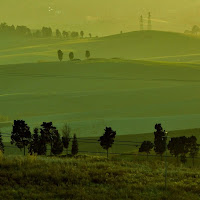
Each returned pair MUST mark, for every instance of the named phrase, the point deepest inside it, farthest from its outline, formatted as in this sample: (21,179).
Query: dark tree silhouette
(82,34)
(107,140)
(48,132)
(34,144)
(71,55)
(66,136)
(193,147)
(74,34)
(20,135)
(60,55)
(87,54)
(179,146)
(195,30)
(65,34)
(57,147)
(74,150)
(146,147)
(58,33)
(90,35)
(159,140)
(42,147)
(173,147)
(46,32)
(1,143)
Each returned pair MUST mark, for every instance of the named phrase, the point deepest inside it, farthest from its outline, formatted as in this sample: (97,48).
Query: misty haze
(100,99)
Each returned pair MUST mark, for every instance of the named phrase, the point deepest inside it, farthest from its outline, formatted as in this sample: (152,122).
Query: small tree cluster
(181,146)
(71,55)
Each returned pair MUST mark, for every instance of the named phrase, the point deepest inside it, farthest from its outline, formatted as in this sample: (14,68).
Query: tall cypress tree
(57,147)
(34,144)
(107,140)
(1,143)
(159,140)
(74,150)
(66,136)
(47,133)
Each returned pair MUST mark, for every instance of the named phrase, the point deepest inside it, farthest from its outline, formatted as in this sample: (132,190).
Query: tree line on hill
(40,33)
(71,55)
(49,135)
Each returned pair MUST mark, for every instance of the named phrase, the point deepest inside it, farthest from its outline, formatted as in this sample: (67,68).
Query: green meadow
(94,177)
(130,96)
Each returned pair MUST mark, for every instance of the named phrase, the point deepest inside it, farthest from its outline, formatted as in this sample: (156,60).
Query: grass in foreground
(88,177)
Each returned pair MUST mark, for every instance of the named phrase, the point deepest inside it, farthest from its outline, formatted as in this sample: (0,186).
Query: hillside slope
(130,96)
(148,45)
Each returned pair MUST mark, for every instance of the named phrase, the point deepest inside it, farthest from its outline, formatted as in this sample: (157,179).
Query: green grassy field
(129,96)
(89,177)
(148,45)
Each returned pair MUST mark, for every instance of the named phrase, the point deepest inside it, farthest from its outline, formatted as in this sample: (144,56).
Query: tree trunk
(66,151)
(193,161)
(51,150)
(24,151)
(107,153)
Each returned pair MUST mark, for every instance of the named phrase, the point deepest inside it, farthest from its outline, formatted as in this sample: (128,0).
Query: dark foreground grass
(92,177)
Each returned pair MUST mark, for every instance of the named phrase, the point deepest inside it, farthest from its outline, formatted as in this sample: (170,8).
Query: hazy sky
(101,16)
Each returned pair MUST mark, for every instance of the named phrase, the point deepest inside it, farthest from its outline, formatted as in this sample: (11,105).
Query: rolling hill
(140,45)
(129,96)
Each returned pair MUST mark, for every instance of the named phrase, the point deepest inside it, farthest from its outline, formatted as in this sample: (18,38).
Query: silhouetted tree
(20,135)
(46,32)
(71,55)
(42,147)
(195,29)
(146,147)
(107,140)
(159,140)
(193,147)
(34,144)
(82,34)
(173,147)
(48,132)
(179,146)
(65,34)
(90,35)
(74,34)
(58,33)
(87,54)
(66,136)
(23,30)
(74,150)
(60,55)
(1,143)
(57,147)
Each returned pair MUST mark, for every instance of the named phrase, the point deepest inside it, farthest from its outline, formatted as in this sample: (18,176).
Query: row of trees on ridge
(71,55)
(48,135)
